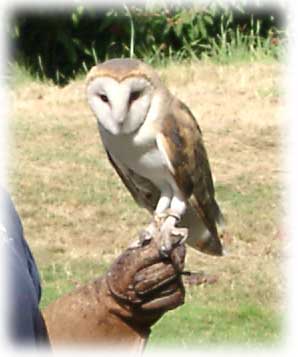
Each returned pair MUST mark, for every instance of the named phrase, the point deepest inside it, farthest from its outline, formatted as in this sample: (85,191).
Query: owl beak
(119,117)
(119,108)
(120,120)
(118,124)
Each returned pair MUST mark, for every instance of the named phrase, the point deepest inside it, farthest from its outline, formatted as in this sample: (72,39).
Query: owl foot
(170,238)
(147,234)
(152,229)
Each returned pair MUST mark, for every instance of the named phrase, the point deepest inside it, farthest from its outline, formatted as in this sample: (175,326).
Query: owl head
(120,93)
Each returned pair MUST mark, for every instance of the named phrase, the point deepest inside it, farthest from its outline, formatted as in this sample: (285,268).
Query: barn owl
(155,144)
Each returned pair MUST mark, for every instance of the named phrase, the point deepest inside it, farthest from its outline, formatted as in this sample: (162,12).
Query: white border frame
(289,345)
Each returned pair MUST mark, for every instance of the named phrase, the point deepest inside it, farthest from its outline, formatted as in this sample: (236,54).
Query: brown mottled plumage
(185,148)
(175,133)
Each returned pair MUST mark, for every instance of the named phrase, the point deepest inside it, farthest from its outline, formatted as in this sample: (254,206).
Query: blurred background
(61,44)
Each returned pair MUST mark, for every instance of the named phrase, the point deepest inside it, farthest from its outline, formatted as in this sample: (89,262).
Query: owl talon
(144,236)
(164,252)
(180,235)
(170,238)
(147,234)
(135,244)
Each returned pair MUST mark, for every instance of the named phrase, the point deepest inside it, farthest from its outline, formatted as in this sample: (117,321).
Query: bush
(59,45)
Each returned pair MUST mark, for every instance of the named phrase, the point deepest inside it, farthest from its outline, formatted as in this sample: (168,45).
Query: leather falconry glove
(120,308)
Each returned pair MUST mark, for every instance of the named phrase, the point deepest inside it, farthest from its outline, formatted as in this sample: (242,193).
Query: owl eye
(104,98)
(134,96)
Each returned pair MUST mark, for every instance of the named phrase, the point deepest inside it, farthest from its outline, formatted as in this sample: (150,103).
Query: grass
(206,319)
(58,278)
(213,324)
(248,200)
(78,216)
(231,45)
(19,75)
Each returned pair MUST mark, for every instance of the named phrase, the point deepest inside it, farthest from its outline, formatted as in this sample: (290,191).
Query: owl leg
(170,234)
(163,203)
(159,215)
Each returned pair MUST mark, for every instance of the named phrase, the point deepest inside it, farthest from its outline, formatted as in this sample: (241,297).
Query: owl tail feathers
(221,228)
(211,245)
(219,217)
(201,239)
(211,242)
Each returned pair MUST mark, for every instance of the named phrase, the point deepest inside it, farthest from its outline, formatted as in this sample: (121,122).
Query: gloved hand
(145,285)
(120,307)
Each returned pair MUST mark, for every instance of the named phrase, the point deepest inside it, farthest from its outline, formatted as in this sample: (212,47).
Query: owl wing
(181,142)
(144,192)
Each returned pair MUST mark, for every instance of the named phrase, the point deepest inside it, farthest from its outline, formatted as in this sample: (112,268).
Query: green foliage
(59,45)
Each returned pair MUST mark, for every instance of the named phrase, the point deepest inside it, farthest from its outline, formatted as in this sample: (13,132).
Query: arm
(120,307)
